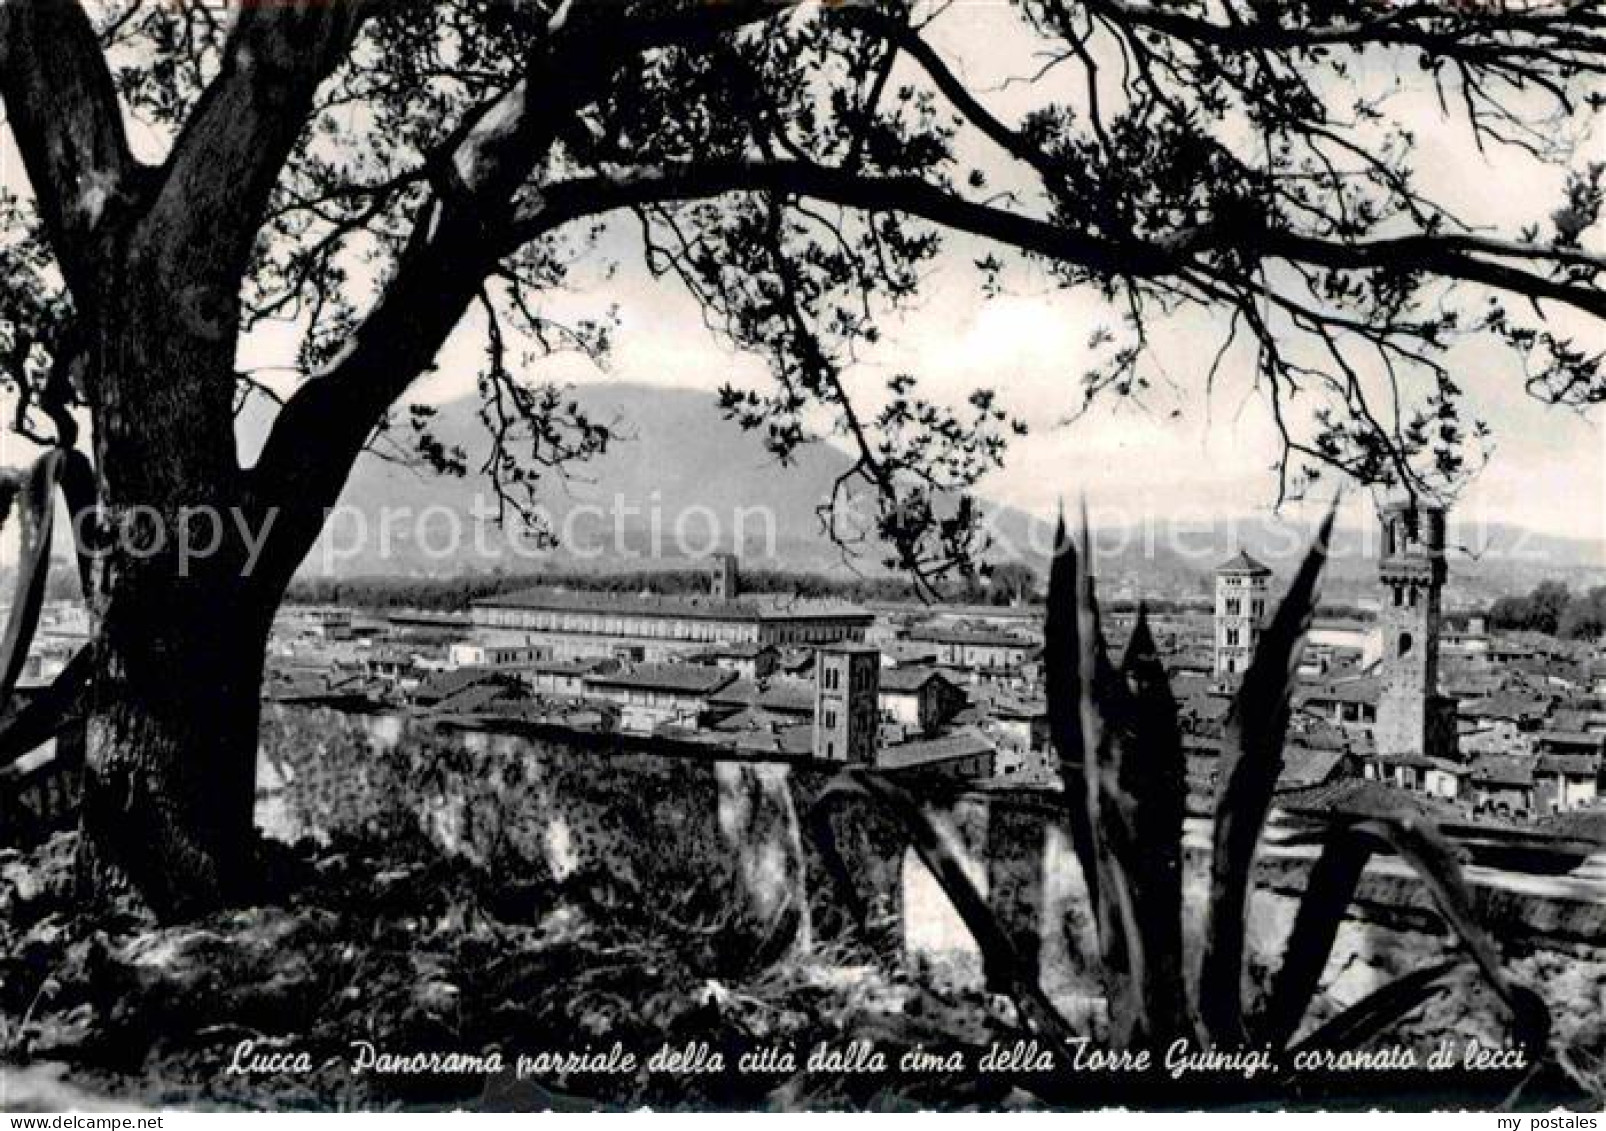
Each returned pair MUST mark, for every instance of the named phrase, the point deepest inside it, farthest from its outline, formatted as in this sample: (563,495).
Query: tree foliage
(1555,610)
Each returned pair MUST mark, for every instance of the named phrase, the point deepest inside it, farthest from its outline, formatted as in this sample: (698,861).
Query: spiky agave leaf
(818,821)
(1379,1010)
(1144,786)
(1256,729)
(1102,699)
(1418,843)
(944,859)
(1061,661)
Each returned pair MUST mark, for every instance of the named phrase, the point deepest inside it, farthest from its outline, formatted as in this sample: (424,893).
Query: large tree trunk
(181,626)
(170,776)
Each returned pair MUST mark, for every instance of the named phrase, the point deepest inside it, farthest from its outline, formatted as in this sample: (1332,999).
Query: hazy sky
(1188,453)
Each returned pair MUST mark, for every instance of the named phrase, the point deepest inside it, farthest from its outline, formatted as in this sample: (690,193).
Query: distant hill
(680,466)
(678,482)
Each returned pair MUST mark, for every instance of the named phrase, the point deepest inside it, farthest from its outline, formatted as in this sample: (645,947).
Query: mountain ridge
(681,481)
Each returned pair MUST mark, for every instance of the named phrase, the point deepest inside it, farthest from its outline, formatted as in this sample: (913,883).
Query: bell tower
(847,712)
(724,580)
(1412,717)
(1240,613)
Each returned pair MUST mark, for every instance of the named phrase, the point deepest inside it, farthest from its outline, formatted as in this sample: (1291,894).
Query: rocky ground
(422,954)
(415,953)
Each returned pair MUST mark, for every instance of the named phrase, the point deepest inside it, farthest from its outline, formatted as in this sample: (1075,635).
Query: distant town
(1399,703)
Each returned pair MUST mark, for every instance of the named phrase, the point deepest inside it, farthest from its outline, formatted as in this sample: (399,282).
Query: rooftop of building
(583,666)
(1362,797)
(1506,705)
(1304,767)
(754,608)
(1503,769)
(908,651)
(975,637)
(910,679)
(1420,762)
(781,694)
(739,650)
(1242,563)
(690,679)
(1018,707)
(1571,765)
(441,685)
(949,747)
(1360,689)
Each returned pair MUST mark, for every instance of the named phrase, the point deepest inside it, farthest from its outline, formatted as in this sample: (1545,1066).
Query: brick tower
(1240,610)
(847,709)
(724,580)
(1412,717)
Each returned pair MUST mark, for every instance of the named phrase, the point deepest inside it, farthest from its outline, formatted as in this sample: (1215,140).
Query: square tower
(1241,584)
(847,708)
(724,583)
(1411,567)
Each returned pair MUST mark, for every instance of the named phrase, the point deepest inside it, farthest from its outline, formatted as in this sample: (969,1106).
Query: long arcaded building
(654,627)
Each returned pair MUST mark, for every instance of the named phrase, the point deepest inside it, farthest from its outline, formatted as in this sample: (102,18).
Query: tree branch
(460,233)
(64,115)
(216,182)
(592,196)
(1455,256)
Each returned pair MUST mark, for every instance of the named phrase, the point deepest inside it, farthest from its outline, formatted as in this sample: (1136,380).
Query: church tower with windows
(1241,585)
(1412,717)
(847,703)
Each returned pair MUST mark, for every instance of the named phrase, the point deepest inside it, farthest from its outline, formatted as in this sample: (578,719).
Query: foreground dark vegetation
(415,952)
(377,176)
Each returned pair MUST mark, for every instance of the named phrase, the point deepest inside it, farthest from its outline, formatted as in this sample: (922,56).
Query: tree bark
(170,774)
(180,625)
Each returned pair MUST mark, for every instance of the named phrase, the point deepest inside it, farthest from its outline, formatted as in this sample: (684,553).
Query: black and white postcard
(802,555)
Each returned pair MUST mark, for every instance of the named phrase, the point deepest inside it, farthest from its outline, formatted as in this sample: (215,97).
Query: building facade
(649,696)
(655,628)
(1240,609)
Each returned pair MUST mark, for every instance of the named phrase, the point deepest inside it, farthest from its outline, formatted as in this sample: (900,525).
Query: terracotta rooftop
(910,679)
(1241,562)
(691,679)
(765,607)
(908,755)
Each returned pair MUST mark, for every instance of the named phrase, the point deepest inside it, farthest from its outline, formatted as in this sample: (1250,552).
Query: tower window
(1233,606)
(1405,644)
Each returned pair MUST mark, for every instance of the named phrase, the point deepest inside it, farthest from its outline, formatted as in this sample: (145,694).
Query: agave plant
(1116,732)
(32,494)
